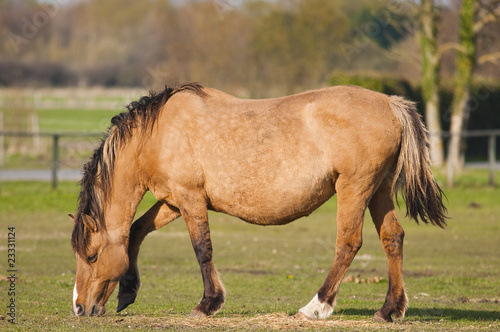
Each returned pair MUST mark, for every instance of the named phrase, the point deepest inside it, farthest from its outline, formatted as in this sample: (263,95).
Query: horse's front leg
(196,218)
(156,217)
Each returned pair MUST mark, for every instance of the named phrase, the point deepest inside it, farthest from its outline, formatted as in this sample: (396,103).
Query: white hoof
(316,309)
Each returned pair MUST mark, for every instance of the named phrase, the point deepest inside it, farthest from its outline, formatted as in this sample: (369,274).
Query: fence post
(450,173)
(35,129)
(2,152)
(55,160)
(492,157)
(2,142)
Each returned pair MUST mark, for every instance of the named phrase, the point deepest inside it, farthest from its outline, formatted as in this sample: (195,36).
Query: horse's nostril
(80,310)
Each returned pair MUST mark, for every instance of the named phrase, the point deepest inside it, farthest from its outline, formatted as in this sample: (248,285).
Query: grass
(270,272)
(75,120)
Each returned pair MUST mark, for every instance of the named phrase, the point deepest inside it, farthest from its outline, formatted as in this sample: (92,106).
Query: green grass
(451,275)
(75,120)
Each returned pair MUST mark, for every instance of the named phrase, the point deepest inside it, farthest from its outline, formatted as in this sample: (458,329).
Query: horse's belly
(268,204)
(267,172)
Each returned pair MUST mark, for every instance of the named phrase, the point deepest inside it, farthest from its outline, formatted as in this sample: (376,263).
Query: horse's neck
(125,195)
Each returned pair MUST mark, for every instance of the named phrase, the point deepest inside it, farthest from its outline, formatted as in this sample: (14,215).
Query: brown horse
(267,162)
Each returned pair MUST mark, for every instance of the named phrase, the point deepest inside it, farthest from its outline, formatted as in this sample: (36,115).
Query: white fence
(69,98)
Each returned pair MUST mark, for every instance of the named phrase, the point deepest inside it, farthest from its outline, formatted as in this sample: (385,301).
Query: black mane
(98,171)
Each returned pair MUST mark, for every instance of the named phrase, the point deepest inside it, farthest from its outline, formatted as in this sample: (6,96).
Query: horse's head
(101,260)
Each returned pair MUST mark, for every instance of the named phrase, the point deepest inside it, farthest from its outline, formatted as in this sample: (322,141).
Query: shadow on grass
(435,314)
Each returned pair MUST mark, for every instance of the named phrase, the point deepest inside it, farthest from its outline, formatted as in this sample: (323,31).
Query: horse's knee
(348,247)
(392,241)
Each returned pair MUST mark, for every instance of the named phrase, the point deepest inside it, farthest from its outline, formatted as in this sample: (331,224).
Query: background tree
(463,79)
(295,45)
(474,15)
(430,79)
(252,48)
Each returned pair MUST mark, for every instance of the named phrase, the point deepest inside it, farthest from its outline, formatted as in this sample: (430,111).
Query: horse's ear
(89,222)
(72,217)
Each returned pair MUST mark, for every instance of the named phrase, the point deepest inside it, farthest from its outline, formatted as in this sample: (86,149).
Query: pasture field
(75,120)
(451,275)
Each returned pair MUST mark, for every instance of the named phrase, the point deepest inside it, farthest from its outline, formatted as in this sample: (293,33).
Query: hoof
(197,313)
(124,300)
(381,318)
(209,306)
(317,309)
(129,286)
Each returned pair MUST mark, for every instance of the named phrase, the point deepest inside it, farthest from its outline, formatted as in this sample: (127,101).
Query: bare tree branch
(399,55)
(492,15)
(492,57)
(443,48)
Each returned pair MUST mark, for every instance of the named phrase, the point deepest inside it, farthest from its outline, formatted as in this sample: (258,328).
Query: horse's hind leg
(352,202)
(391,236)
(196,218)
(156,217)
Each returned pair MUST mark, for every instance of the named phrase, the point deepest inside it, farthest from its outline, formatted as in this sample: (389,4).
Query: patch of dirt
(474,205)
(246,271)
(277,321)
(464,299)
(495,301)
(358,280)
(422,273)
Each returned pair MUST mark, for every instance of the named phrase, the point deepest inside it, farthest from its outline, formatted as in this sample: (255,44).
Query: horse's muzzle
(79,310)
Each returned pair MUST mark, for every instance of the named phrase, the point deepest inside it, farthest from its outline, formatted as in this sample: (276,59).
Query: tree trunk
(454,145)
(463,78)
(430,80)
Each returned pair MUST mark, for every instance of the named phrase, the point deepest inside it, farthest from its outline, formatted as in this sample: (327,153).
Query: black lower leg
(130,282)
(213,294)
(156,217)
(213,297)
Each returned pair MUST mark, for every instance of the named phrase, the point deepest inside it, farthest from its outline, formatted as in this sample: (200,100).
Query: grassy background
(23,153)
(270,272)
(75,120)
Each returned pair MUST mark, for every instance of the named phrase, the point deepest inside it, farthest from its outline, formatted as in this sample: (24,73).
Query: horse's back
(340,126)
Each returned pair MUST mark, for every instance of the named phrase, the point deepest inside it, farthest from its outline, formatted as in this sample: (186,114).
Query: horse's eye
(92,258)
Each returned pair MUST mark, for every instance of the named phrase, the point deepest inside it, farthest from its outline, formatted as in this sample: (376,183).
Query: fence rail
(55,146)
(69,98)
(492,135)
(56,138)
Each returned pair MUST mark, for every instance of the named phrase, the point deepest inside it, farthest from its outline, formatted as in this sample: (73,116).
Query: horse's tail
(413,177)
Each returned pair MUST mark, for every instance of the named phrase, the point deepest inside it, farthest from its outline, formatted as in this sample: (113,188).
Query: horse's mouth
(97,310)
